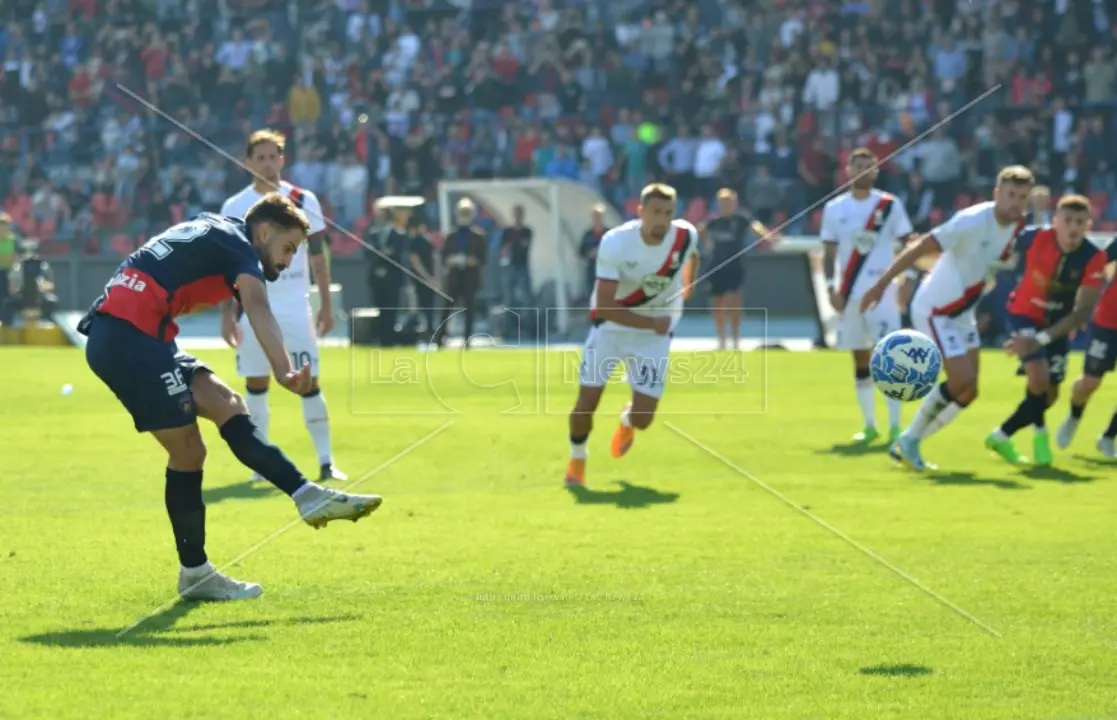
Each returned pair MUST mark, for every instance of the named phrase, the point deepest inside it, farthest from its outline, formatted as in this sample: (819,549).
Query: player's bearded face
(657,216)
(727,205)
(1011,200)
(278,250)
(267,162)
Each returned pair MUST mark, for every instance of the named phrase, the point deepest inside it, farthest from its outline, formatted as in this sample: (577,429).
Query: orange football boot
(576,472)
(623,437)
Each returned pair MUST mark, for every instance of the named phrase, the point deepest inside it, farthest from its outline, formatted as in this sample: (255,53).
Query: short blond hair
(1015,175)
(658,191)
(726,193)
(1075,203)
(266,135)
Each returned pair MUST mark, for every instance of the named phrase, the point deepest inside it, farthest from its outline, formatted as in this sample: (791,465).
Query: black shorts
(1101,353)
(1055,353)
(727,279)
(150,378)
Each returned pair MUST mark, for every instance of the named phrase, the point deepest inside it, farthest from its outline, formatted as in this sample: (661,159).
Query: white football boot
(1066,431)
(205,583)
(319,505)
(1106,447)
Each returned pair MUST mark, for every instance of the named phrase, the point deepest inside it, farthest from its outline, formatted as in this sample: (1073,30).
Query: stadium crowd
(389,96)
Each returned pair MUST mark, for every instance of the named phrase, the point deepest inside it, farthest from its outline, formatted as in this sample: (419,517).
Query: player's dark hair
(862,153)
(1075,203)
(278,210)
(1015,175)
(265,136)
(658,191)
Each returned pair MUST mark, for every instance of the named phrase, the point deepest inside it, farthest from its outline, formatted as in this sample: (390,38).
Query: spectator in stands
(587,250)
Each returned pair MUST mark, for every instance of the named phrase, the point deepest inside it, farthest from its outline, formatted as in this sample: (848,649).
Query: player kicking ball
(860,230)
(1101,357)
(288,295)
(131,348)
(1062,277)
(970,244)
(645,270)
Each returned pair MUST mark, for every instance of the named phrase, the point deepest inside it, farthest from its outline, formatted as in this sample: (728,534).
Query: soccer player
(288,296)
(729,235)
(860,231)
(1101,357)
(970,244)
(645,271)
(1062,277)
(131,348)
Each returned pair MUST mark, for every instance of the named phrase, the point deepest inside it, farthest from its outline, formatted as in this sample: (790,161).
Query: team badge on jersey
(653,284)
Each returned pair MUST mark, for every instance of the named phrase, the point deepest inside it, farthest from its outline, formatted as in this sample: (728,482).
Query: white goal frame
(557,211)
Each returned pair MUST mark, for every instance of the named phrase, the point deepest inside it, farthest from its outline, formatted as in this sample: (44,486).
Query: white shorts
(862,331)
(299,336)
(644,354)
(955,336)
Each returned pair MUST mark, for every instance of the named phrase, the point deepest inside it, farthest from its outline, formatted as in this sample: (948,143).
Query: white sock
(893,413)
(626,419)
(929,409)
(203,569)
(258,410)
(308,486)
(578,451)
(866,400)
(317,421)
(943,419)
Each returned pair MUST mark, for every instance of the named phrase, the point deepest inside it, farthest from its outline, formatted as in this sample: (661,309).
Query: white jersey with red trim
(649,278)
(866,232)
(972,242)
(288,292)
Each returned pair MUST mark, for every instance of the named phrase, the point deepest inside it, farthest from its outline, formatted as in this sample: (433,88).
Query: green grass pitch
(676,586)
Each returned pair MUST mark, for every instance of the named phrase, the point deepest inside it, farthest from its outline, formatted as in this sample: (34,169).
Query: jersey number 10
(161,245)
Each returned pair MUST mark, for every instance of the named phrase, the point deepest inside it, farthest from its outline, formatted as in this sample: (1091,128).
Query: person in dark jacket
(463,256)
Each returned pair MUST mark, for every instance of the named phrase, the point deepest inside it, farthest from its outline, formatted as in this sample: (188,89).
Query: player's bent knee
(641,420)
(186,450)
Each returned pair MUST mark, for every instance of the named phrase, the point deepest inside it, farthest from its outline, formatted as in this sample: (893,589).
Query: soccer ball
(905,365)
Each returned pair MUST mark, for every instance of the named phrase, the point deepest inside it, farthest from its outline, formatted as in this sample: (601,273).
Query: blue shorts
(1054,353)
(150,378)
(1101,352)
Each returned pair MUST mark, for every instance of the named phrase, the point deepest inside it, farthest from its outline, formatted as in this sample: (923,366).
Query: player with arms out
(1061,281)
(131,348)
(861,229)
(728,239)
(970,243)
(645,271)
(289,302)
(1101,358)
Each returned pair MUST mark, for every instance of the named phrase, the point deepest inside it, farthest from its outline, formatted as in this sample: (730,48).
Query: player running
(131,348)
(860,231)
(288,296)
(1101,357)
(970,244)
(1060,284)
(645,271)
(729,236)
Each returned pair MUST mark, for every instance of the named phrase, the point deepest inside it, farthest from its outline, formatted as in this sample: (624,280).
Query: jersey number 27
(161,245)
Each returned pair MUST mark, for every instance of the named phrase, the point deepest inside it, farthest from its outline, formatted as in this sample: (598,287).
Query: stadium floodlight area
(559,214)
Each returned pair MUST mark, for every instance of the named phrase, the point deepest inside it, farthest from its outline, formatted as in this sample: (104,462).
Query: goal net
(559,212)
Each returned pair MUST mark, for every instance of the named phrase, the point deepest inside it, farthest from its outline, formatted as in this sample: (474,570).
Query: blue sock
(256,454)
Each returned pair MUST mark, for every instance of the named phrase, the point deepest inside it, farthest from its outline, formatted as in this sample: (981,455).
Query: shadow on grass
(159,630)
(247,490)
(972,480)
(629,496)
(901,670)
(853,449)
(1097,461)
(1055,474)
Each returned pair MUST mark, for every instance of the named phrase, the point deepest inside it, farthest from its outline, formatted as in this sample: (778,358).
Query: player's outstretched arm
(254,298)
(690,274)
(903,262)
(230,330)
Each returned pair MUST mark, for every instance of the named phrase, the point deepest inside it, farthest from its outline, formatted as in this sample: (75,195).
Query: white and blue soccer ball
(905,365)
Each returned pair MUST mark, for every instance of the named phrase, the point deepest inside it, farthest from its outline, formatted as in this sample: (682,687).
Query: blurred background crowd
(389,96)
